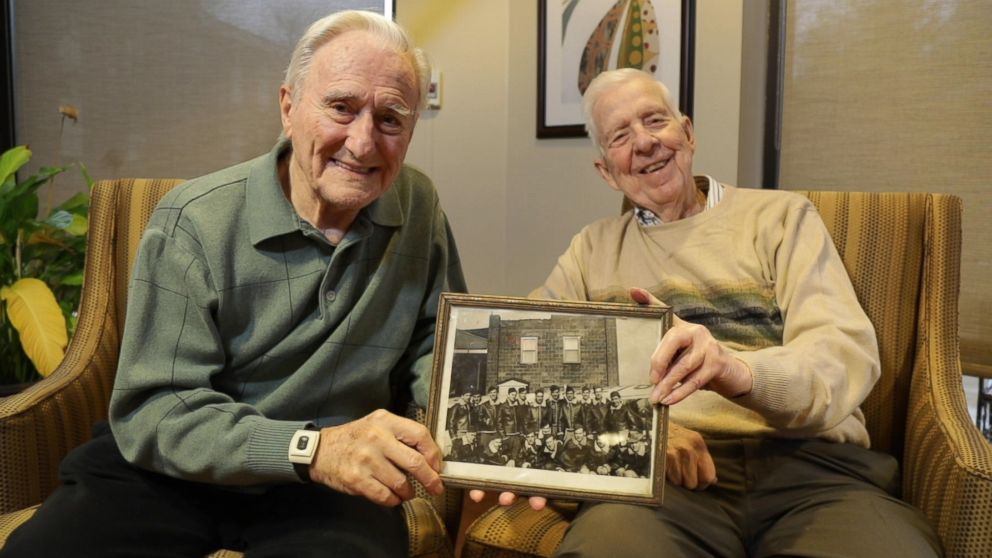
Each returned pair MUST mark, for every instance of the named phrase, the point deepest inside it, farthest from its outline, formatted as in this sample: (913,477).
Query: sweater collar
(270,213)
(704,183)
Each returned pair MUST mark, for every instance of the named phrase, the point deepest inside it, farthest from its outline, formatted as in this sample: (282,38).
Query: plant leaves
(78,203)
(12,160)
(75,279)
(86,174)
(60,219)
(36,316)
(44,236)
(21,209)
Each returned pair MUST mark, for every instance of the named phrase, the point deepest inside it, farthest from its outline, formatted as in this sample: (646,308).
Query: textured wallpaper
(883,95)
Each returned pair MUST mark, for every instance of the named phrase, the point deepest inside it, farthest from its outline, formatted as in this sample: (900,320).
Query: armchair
(44,422)
(903,252)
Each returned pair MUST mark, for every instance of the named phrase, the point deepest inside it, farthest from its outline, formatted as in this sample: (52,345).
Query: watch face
(303,446)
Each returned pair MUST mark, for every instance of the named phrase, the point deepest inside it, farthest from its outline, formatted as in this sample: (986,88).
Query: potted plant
(41,271)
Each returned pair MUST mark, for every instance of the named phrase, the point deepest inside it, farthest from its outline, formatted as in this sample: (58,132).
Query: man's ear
(690,134)
(601,167)
(285,108)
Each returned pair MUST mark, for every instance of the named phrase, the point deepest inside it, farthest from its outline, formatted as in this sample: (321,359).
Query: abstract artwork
(578,39)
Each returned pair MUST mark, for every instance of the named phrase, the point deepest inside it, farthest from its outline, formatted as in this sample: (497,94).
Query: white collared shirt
(647,218)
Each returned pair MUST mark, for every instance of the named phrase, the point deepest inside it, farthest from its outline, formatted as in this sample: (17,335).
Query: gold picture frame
(598,439)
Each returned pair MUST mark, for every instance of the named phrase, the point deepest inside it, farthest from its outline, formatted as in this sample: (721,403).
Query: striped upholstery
(902,251)
(41,424)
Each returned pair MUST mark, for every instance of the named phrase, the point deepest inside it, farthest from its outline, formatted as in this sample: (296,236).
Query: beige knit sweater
(761,272)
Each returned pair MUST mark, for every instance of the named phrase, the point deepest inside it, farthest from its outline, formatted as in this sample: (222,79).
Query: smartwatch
(302,448)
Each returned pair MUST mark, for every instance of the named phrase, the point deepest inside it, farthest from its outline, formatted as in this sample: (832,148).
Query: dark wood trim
(687,66)
(8,136)
(773,94)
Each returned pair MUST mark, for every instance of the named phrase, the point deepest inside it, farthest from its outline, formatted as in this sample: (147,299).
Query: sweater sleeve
(566,281)
(446,275)
(164,412)
(828,360)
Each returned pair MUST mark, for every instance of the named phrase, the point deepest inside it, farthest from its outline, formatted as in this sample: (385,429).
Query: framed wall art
(578,39)
(548,398)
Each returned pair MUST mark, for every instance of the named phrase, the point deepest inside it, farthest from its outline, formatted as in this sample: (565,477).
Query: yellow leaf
(36,316)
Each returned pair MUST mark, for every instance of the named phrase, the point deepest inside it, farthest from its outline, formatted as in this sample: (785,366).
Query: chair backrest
(888,242)
(129,205)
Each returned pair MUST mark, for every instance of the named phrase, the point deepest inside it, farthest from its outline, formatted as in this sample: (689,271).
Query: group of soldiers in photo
(587,433)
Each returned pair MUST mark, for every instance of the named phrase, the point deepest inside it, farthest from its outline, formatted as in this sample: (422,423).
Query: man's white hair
(607,81)
(385,30)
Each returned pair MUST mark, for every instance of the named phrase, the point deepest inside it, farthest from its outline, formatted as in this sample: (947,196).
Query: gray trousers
(772,498)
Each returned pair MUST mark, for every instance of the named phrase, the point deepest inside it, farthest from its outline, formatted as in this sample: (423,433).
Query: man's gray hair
(607,81)
(385,30)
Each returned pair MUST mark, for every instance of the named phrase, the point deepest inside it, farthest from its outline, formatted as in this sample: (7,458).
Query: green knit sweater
(244,324)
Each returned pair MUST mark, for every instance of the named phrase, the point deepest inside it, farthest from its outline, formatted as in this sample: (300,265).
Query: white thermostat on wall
(434,91)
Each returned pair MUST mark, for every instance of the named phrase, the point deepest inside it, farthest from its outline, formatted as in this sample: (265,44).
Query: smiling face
(350,126)
(647,148)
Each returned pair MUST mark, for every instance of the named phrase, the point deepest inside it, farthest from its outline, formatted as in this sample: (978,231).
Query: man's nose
(361,135)
(644,140)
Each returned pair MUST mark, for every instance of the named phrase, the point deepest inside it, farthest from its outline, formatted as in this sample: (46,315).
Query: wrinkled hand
(688,358)
(370,457)
(537,503)
(688,461)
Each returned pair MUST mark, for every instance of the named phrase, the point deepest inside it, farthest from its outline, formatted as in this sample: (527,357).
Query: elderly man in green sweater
(280,320)
(765,367)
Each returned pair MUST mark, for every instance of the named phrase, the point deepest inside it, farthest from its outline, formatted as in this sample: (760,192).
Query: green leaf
(86,175)
(35,181)
(79,204)
(22,208)
(75,279)
(78,226)
(75,225)
(60,219)
(12,160)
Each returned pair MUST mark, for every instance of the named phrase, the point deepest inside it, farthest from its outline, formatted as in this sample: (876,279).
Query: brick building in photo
(562,349)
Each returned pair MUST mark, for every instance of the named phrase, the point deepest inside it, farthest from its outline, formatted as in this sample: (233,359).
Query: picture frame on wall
(578,39)
(548,398)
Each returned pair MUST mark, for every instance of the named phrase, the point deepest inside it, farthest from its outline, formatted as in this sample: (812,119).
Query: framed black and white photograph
(578,39)
(548,398)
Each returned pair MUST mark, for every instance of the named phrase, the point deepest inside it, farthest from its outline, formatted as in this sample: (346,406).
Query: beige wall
(515,201)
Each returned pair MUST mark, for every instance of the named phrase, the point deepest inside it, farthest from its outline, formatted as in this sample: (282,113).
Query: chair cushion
(10,521)
(518,530)
(428,536)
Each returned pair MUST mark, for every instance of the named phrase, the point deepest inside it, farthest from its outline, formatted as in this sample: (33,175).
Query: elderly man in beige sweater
(765,368)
